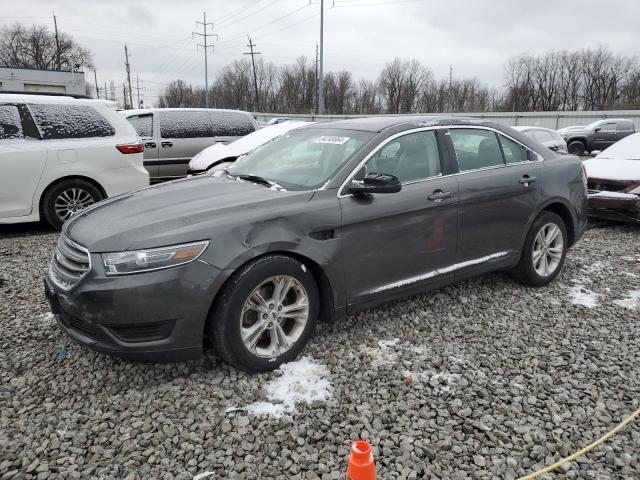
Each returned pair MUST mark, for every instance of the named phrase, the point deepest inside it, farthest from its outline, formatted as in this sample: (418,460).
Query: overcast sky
(475,37)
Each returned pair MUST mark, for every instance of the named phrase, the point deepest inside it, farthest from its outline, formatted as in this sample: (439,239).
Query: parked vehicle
(547,137)
(614,181)
(221,156)
(597,135)
(277,120)
(59,155)
(366,211)
(173,136)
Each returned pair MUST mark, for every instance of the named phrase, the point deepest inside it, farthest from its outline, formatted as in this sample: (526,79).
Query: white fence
(554,120)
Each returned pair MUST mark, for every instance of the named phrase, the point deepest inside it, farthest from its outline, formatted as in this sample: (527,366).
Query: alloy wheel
(274,316)
(71,201)
(548,248)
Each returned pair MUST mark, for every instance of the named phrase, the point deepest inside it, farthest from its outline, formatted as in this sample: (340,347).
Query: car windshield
(302,159)
(626,149)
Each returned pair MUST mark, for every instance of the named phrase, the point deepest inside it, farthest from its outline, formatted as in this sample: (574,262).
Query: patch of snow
(48,317)
(618,168)
(301,381)
(202,475)
(580,295)
(440,381)
(632,301)
(616,195)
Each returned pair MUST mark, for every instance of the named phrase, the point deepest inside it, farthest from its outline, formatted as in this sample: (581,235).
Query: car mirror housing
(375,183)
(597,129)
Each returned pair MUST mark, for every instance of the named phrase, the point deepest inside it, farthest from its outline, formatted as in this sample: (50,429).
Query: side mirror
(597,129)
(594,153)
(375,183)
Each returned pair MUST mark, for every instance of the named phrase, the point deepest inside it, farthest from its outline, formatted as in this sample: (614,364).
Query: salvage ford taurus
(324,221)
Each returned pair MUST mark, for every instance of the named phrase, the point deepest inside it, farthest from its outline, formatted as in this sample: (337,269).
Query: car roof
(138,111)
(28,98)
(524,128)
(379,123)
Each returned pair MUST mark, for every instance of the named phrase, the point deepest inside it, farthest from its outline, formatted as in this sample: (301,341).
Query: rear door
(22,160)
(394,243)
(144,126)
(183,133)
(229,126)
(605,136)
(624,128)
(498,195)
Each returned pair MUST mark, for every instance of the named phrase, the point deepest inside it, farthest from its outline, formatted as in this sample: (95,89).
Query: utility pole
(106,92)
(95,78)
(138,88)
(321,76)
(204,45)
(55,25)
(450,76)
(124,95)
(315,86)
(126,63)
(255,77)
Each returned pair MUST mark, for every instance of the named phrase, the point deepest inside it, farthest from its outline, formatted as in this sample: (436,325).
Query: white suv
(59,155)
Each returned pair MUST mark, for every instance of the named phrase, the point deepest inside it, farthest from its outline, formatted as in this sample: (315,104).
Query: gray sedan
(322,222)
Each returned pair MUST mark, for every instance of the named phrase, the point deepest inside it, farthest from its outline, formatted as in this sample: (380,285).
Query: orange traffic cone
(361,464)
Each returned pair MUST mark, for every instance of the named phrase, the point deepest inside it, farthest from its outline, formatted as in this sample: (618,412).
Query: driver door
(397,243)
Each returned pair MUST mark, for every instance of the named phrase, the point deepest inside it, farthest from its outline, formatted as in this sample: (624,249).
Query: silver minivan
(172,136)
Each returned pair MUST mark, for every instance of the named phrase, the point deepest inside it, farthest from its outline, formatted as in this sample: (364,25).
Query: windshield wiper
(254,178)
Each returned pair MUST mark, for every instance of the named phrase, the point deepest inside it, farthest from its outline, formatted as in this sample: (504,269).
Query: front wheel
(265,315)
(65,199)
(544,251)
(576,147)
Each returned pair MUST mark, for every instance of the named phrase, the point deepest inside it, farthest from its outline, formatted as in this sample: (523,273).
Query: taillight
(127,148)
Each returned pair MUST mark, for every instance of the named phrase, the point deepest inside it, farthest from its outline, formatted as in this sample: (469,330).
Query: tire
(576,147)
(233,319)
(76,193)
(530,272)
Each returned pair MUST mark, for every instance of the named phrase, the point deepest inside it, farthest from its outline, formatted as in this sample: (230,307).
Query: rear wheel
(576,147)
(544,251)
(63,200)
(266,314)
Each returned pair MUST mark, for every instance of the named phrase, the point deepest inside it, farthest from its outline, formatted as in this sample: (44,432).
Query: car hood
(175,212)
(574,131)
(613,169)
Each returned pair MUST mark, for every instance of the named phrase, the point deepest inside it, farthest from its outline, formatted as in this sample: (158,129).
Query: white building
(40,80)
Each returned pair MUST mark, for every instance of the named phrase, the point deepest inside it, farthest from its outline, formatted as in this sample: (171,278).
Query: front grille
(607,187)
(143,332)
(70,263)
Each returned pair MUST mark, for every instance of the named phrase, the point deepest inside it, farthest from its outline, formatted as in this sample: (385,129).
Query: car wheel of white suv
(66,198)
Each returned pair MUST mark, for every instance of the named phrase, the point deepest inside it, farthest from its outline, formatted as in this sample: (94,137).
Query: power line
(255,77)
(205,36)
(252,13)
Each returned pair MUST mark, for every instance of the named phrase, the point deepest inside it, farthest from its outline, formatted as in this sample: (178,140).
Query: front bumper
(617,208)
(155,316)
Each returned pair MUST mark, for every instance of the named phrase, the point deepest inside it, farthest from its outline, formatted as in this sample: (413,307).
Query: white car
(220,156)
(59,155)
(547,137)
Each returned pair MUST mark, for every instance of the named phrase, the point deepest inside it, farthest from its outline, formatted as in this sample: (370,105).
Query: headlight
(136,261)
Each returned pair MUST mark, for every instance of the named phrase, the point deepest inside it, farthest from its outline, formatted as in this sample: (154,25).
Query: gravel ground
(483,379)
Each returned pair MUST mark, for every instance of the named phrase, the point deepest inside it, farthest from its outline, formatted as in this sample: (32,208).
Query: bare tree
(35,47)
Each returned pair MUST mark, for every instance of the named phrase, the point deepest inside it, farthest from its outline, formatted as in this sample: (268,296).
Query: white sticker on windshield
(331,139)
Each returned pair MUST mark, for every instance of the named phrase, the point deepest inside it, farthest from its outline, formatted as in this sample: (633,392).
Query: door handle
(439,195)
(150,145)
(166,144)
(526,180)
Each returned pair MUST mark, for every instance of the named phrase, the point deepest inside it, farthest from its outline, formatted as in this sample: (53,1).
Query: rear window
(231,124)
(10,124)
(143,124)
(185,124)
(70,121)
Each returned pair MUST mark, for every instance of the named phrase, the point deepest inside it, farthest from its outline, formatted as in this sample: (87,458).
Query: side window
(143,124)
(608,127)
(476,148)
(231,124)
(625,126)
(10,124)
(185,124)
(513,152)
(69,121)
(411,157)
